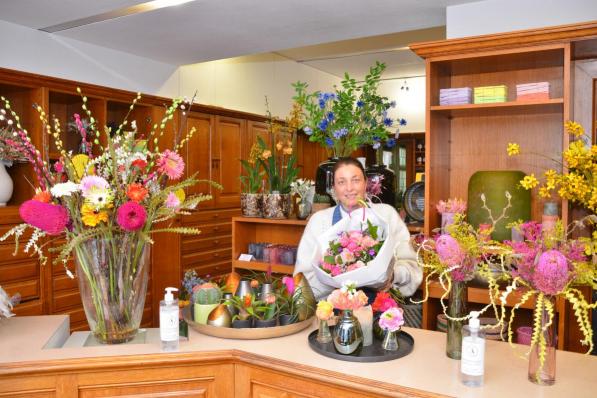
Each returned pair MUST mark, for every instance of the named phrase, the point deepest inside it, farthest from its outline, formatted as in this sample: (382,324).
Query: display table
(284,367)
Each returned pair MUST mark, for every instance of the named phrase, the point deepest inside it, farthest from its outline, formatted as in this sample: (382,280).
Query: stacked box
(490,94)
(532,91)
(455,96)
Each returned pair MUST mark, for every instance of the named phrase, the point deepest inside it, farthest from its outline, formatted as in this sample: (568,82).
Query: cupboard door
(254,130)
(198,155)
(228,146)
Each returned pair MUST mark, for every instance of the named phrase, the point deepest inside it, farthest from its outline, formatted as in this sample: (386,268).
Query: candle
(365,317)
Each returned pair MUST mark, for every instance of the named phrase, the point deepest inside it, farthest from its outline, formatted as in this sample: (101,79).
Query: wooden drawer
(77,315)
(29,308)
(63,282)
(211,269)
(206,257)
(212,230)
(7,250)
(210,216)
(29,289)
(195,244)
(65,300)
(58,269)
(19,271)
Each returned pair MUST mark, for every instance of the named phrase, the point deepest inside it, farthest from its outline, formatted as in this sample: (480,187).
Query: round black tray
(372,353)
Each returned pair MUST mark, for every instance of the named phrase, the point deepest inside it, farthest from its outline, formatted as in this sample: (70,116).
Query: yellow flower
(279,146)
(266,154)
(80,162)
(544,192)
(513,149)
(92,217)
(324,310)
(287,150)
(529,182)
(574,128)
(180,195)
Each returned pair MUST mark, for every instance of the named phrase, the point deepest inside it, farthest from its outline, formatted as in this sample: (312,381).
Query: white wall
(38,52)
(410,104)
(493,16)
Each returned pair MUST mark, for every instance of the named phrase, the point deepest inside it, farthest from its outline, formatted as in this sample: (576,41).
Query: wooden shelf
(263,267)
(289,221)
(500,108)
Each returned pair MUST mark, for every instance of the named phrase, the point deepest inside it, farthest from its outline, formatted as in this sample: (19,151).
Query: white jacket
(407,273)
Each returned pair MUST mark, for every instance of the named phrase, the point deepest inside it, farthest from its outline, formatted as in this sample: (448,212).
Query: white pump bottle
(472,362)
(169,333)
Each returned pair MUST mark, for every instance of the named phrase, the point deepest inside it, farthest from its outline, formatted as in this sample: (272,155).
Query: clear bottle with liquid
(472,362)
(169,329)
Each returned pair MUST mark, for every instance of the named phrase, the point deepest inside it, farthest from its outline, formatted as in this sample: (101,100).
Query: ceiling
(206,30)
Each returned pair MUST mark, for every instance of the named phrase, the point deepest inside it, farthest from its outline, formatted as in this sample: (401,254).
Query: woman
(350,185)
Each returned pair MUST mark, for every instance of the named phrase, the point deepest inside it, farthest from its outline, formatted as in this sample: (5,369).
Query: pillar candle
(365,317)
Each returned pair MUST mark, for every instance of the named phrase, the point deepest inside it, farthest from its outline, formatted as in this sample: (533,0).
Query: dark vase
(265,323)
(456,309)
(287,319)
(242,323)
(324,177)
(388,183)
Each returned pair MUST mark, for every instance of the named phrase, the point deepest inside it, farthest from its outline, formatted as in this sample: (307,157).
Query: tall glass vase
(544,372)
(113,275)
(456,309)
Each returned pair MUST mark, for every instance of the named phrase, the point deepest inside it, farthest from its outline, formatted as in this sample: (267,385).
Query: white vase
(6,185)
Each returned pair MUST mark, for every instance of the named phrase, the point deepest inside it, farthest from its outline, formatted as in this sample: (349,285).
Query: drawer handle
(216,242)
(216,254)
(216,215)
(216,228)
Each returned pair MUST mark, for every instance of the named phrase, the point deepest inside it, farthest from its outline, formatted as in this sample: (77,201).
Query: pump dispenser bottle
(169,333)
(472,363)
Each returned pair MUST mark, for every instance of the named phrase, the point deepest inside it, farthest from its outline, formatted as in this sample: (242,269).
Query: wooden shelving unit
(246,230)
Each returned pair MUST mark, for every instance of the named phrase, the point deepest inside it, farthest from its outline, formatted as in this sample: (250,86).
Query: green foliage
(351,116)
(281,170)
(252,181)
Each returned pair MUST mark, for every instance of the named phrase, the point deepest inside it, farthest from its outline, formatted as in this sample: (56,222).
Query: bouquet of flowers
(357,247)
(352,116)
(105,203)
(347,297)
(351,250)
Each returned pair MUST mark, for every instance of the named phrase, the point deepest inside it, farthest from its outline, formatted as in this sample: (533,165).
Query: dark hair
(348,161)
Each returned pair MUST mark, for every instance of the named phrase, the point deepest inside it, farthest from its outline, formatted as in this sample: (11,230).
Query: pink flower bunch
(392,319)
(451,206)
(352,250)
(383,302)
(552,273)
(532,231)
(348,298)
(451,255)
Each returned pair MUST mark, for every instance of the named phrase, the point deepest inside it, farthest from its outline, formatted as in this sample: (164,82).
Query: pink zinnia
(171,164)
(50,218)
(391,319)
(172,201)
(131,216)
(552,273)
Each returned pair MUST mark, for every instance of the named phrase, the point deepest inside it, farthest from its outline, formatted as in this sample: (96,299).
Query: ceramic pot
(251,204)
(387,179)
(6,185)
(267,323)
(231,309)
(287,319)
(324,177)
(202,312)
(244,288)
(220,316)
(242,323)
(276,205)
(303,297)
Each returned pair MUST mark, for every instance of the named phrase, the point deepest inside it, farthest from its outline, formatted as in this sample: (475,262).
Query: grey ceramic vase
(266,289)
(347,335)
(244,288)
(231,308)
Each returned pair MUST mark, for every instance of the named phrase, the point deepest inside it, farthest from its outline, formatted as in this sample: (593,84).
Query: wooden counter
(283,367)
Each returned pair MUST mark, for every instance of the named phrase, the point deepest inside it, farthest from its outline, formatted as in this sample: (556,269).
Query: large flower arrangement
(104,203)
(352,250)
(353,115)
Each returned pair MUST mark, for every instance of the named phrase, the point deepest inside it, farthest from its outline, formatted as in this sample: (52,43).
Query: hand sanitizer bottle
(169,333)
(472,363)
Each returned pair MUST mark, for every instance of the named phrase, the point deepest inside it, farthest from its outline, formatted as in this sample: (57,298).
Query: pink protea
(131,216)
(171,164)
(50,218)
(551,274)
(449,250)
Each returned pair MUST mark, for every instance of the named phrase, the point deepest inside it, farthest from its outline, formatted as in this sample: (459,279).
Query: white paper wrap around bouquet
(375,273)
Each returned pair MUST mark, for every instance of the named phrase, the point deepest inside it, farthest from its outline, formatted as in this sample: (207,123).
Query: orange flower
(247,300)
(287,150)
(42,196)
(136,192)
(254,283)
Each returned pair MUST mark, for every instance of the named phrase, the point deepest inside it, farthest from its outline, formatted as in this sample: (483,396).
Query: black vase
(388,183)
(324,178)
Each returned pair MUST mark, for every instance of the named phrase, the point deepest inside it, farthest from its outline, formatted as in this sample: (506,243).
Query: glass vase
(390,341)
(323,334)
(347,336)
(544,372)
(113,273)
(456,309)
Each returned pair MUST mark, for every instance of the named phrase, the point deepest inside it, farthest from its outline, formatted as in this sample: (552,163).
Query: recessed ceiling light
(121,12)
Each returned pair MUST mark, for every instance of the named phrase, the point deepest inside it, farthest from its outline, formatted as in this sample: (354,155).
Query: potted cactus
(206,297)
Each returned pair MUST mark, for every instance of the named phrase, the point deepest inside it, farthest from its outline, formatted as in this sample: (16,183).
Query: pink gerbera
(131,216)
(171,164)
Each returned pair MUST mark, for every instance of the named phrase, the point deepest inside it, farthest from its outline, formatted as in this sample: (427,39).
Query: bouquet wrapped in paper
(357,248)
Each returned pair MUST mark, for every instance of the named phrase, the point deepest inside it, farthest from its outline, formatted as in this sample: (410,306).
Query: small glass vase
(347,336)
(324,335)
(113,274)
(456,309)
(544,373)
(390,341)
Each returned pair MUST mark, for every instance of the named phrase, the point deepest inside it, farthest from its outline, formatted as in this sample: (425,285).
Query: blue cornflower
(403,122)
(332,96)
(388,122)
(376,145)
(321,103)
(308,130)
(393,104)
(329,142)
(330,116)
(323,125)
(376,138)
(360,104)
(340,133)
(391,143)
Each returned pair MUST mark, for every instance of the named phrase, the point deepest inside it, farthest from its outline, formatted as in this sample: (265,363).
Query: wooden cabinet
(227,148)
(246,230)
